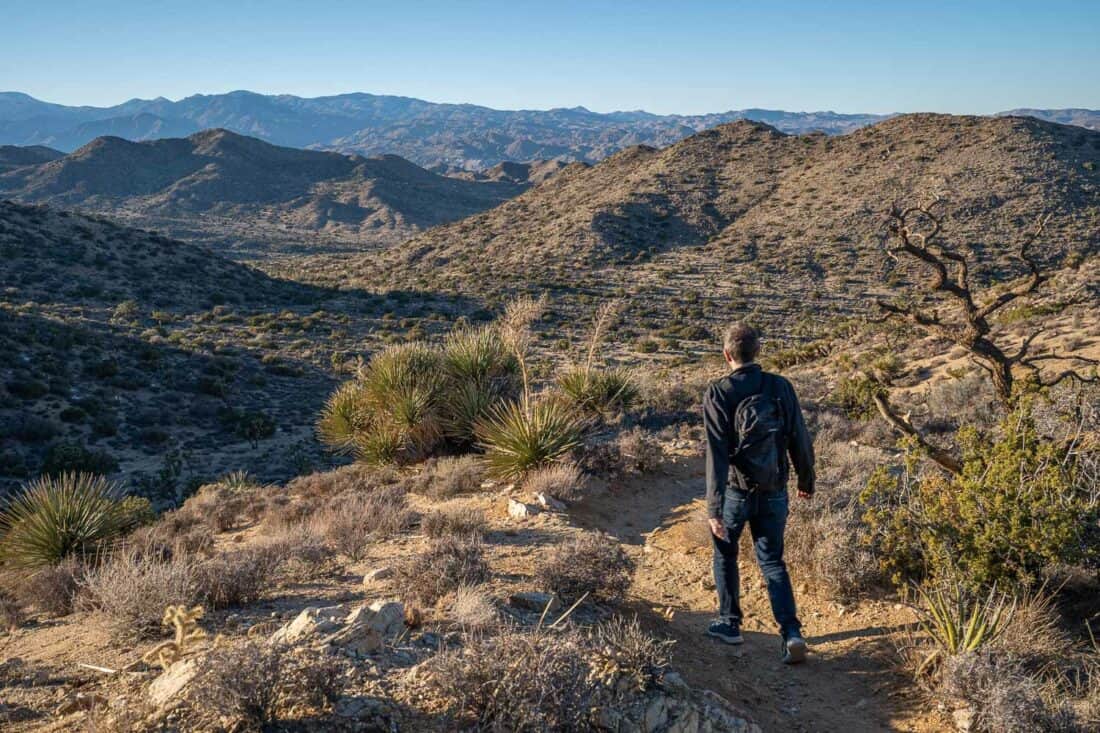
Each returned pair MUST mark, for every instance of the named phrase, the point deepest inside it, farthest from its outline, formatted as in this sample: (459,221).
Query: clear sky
(678,56)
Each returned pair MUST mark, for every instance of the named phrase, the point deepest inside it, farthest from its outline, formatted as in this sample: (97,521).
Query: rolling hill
(14,156)
(218,185)
(743,217)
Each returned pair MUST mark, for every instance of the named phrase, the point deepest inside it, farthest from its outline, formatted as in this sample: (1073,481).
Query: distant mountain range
(218,185)
(444,136)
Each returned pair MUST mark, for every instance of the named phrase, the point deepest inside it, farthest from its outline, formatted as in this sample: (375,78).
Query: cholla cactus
(187,636)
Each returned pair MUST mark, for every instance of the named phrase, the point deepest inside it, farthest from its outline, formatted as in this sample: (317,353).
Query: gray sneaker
(730,633)
(794,648)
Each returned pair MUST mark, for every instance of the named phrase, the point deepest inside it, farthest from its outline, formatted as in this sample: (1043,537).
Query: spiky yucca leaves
(391,411)
(54,517)
(481,371)
(517,440)
(957,623)
(601,391)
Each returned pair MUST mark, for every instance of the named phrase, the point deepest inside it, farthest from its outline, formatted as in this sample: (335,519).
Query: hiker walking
(753,423)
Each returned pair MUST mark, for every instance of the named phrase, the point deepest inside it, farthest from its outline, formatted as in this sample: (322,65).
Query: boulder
(172,681)
(549,503)
(310,622)
(521,510)
(377,574)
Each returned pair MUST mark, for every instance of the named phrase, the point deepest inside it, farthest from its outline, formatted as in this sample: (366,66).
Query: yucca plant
(958,623)
(599,391)
(481,371)
(517,437)
(391,411)
(54,517)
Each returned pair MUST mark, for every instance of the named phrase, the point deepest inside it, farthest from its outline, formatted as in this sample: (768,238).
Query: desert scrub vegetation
(590,564)
(1021,504)
(352,521)
(447,564)
(542,679)
(519,437)
(54,517)
(600,391)
(562,480)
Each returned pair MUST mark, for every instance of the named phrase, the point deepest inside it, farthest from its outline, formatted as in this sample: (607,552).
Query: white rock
(377,574)
(171,682)
(310,622)
(549,503)
(521,510)
(384,617)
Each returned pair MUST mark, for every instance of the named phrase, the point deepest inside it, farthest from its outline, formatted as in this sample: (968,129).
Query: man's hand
(805,495)
(718,529)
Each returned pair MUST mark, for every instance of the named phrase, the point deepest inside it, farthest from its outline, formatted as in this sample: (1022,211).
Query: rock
(656,714)
(549,503)
(385,617)
(377,574)
(673,682)
(310,622)
(534,601)
(80,702)
(521,510)
(964,719)
(171,682)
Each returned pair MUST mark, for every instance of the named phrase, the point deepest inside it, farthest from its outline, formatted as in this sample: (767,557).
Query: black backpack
(759,426)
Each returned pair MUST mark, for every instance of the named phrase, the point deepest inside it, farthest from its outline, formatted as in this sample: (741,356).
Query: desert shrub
(639,451)
(70,457)
(591,563)
(624,651)
(449,476)
(599,391)
(391,411)
(355,477)
(1017,507)
(854,395)
(258,684)
(481,371)
(132,590)
(446,565)
(473,610)
(301,552)
(824,544)
(1004,697)
(11,612)
(454,521)
(52,589)
(352,522)
(54,517)
(176,532)
(518,438)
(956,622)
(562,480)
(235,578)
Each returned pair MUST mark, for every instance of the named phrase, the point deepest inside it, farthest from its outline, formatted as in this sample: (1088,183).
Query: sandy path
(848,683)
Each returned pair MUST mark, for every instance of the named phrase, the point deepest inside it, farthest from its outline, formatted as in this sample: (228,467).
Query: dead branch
(904,426)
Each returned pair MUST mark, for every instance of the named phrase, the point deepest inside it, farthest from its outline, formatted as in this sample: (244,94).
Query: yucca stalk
(517,439)
(958,623)
(54,517)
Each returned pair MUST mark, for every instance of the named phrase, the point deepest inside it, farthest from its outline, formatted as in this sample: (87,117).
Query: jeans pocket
(734,511)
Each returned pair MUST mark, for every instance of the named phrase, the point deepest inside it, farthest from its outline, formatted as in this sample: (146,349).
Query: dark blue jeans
(766,515)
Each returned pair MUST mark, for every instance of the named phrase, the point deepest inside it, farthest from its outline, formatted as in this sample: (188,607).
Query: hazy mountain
(1089,118)
(228,185)
(746,216)
(463,136)
(14,156)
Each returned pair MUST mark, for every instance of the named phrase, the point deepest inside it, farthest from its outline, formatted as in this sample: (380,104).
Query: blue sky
(687,56)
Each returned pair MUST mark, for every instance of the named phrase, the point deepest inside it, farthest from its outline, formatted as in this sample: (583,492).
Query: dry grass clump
(176,532)
(351,522)
(52,590)
(257,685)
(563,480)
(454,521)
(132,590)
(540,681)
(441,478)
(354,478)
(824,547)
(592,563)
(635,451)
(473,610)
(235,578)
(303,554)
(448,564)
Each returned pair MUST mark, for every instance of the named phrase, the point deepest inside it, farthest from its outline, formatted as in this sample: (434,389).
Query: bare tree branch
(904,426)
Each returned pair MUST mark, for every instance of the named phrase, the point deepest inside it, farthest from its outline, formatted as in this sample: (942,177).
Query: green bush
(601,391)
(54,517)
(71,457)
(517,439)
(1018,507)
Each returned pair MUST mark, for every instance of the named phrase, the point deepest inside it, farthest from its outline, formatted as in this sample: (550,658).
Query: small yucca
(54,517)
(601,391)
(481,372)
(958,624)
(517,440)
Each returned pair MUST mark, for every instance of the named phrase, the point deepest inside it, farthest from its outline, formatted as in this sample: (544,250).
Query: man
(753,423)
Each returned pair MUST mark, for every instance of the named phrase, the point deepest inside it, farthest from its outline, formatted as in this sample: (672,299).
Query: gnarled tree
(961,311)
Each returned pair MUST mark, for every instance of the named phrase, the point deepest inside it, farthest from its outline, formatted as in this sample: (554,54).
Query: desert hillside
(223,187)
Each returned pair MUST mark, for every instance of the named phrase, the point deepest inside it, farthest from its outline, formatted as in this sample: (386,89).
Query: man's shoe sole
(796,652)
(735,640)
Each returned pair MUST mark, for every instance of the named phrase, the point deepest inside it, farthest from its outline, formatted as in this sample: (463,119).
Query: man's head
(741,344)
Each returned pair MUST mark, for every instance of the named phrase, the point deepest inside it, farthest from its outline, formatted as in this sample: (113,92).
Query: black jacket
(719,405)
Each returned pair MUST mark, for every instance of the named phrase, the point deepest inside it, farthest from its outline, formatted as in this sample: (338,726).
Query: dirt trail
(847,685)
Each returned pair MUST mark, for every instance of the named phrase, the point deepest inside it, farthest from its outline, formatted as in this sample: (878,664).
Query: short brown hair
(742,341)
